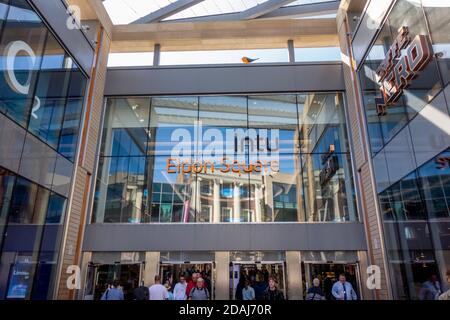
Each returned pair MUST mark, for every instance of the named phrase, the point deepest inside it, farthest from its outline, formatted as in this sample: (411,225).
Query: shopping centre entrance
(170,271)
(258,274)
(328,274)
(101,275)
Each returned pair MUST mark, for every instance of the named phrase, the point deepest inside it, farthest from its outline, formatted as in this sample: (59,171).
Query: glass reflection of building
(409,149)
(51,181)
(305,134)
(41,100)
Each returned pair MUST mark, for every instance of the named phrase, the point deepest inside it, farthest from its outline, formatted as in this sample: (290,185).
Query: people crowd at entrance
(433,290)
(197,286)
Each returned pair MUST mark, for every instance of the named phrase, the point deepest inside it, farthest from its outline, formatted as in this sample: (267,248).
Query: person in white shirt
(179,292)
(158,291)
(343,290)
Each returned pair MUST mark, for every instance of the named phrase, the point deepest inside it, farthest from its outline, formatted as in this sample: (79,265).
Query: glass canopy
(129,11)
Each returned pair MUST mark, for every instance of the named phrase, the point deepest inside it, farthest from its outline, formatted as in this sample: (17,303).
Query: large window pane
(70,128)
(408,240)
(274,119)
(328,187)
(172,194)
(241,159)
(406,13)
(126,130)
(223,142)
(121,190)
(322,123)
(172,190)
(23,201)
(435,189)
(24,234)
(52,85)
(172,124)
(21,51)
(284,191)
(49,249)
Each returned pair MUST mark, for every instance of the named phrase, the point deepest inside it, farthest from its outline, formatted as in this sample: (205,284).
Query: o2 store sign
(11,53)
(398,69)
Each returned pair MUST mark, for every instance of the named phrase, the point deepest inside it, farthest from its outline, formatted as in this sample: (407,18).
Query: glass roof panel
(301,2)
(215,7)
(127,11)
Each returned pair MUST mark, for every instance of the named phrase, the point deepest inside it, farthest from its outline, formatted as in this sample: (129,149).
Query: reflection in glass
(223,121)
(415,210)
(126,127)
(72,114)
(37,77)
(121,194)
(20,70)
(172,123)
(45,276)
(322,123)
(328,188)
(30,250)
(52,85)
(227,159)
(42,88)
(171,198)
(382,128)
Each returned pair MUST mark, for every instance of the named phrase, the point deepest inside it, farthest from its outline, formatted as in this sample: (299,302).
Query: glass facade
(31,222)
(409,145)
(42,88)
(416,214)
(422,90)
(222,159)
(42,91)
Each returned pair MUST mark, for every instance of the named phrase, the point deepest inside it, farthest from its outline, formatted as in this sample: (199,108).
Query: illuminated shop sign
(403,62)
(12,51)
(239,151)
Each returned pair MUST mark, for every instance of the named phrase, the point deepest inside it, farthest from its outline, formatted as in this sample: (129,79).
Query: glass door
(170,271)
(100,276)
(328,274)
(258,274)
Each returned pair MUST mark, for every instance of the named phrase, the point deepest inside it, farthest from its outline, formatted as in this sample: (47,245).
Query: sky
(224,57)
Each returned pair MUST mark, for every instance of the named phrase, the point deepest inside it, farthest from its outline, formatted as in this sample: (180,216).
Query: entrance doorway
(99,276)
(170,271)
(328,274)
(258,274)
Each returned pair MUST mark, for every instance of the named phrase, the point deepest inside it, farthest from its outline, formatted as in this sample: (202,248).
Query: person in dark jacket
(327,286)
(141,293)
(239,287)
(315,292)
(260,286)
(272,292)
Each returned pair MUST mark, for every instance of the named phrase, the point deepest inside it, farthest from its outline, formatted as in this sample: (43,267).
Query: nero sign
(403,62)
